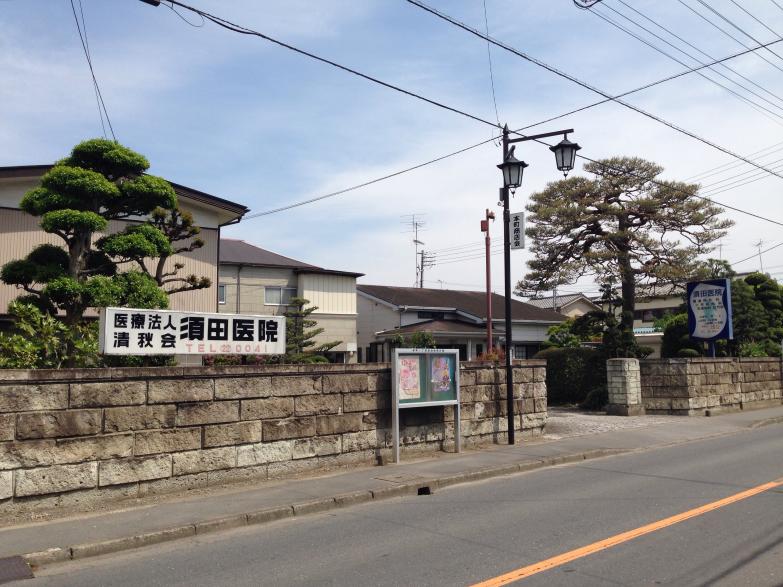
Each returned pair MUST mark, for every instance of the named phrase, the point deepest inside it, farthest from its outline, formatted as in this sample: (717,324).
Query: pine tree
(301,332)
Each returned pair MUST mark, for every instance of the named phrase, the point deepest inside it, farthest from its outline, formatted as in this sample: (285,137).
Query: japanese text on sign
(516,230)
(128,331)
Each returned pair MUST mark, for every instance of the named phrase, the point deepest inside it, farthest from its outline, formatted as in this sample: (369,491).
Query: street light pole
(507,276)
(512,168)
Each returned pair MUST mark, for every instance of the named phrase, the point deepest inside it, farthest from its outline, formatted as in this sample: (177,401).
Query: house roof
(239,252)
(469,302)
(560,301)
(38,170)
(436,327)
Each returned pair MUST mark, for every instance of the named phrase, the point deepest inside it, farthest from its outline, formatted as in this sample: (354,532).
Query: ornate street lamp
(565,155)
(512,168)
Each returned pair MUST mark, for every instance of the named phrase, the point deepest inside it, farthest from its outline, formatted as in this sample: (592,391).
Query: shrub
(573,373)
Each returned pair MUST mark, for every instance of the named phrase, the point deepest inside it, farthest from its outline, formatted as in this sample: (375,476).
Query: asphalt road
(471,533)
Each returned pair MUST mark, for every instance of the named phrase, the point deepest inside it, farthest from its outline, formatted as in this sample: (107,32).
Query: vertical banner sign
(423,378)
(709,310)
(516,230)
(129,331)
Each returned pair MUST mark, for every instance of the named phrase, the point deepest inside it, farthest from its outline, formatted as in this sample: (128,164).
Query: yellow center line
(577,553)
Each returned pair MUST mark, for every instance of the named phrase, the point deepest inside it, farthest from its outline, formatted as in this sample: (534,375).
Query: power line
(94,87)
(728,34)
(750,14)
(740,29)
(237,28)
(454,153)
(707,55)
(583,84)
(754,255)
(82,38)
(228,25)
(489,59)
(753,104)
(733,165)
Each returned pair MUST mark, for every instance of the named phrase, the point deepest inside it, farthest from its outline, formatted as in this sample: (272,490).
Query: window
(221,294)
(279,296)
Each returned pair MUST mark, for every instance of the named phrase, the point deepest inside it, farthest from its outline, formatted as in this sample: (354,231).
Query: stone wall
(74,435)
(695,386)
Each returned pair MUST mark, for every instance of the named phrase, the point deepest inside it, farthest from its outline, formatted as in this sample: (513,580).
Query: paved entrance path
(571,437)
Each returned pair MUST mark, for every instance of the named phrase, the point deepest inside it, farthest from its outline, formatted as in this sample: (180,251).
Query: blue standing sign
(709,311)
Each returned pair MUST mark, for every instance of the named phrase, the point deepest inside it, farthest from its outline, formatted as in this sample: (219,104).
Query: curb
(303,508)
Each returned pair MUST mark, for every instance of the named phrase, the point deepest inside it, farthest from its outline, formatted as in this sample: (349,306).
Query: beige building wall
(20,233)
(336,300)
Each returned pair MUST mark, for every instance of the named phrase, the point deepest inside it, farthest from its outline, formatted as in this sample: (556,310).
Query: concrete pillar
(624,386)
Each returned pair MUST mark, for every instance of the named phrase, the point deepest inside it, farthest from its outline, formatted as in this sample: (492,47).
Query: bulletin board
(423,378)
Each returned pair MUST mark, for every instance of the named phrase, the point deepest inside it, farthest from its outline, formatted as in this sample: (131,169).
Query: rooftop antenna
(758,245)
(415,224)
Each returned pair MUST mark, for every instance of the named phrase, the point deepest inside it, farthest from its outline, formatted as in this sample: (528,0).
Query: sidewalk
(572,437)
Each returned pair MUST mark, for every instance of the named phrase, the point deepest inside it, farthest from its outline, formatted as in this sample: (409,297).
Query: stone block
(27,398)
(289,428)
(312,405)
(180,390)
(41,453)
(207,413)
(295,385)
(230,434)
(379,382)
(490,376)
(109,393)
(7,426)
(466,377)
(139,418)
(374,420)
(133,469)
(58,424)
(158,441)
(317,447)
(55,479)
(242,387)
(523,375)
(364,402)
(265,452)
(262,409)
(355,441)
(199,461)
(345,383)
(326,425)
(6,485)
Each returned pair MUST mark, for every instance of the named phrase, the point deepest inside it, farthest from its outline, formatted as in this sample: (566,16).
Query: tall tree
(621,223)
(301,331)
(100,181)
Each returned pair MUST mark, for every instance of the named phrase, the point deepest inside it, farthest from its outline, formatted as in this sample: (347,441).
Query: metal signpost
(423,378)
(129,331)
(709,311)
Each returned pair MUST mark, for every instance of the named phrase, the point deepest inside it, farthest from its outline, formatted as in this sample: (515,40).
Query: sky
(252,122)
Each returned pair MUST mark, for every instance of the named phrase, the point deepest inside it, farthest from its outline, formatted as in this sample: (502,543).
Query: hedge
(572,373)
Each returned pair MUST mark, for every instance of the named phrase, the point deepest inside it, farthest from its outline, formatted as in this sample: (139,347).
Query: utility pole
(415,224)
(758,245)
(485,229)
(426,261)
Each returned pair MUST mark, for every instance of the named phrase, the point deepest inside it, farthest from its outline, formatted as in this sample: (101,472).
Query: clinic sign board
(709,310)
(131,331)
(424,378)
(516,230)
